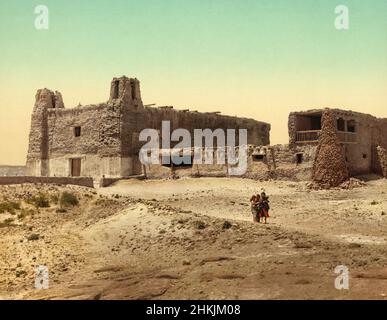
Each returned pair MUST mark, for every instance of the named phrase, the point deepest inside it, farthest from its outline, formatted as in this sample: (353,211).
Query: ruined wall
(196,170)
(257,132)
(294,162)
(263,163)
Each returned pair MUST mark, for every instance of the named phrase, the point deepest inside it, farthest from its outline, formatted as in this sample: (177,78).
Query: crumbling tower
(37,157)
(126,95)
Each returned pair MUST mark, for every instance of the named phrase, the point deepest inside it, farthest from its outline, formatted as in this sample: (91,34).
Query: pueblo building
(102,140)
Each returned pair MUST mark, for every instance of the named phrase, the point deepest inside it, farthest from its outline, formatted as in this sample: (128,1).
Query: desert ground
(194,238)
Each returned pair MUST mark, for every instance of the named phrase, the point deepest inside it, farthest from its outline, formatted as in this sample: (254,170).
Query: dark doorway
(75,167)
(351,126)
(315,123)
(177,161)
(258,157)
(308,122)
(300,158)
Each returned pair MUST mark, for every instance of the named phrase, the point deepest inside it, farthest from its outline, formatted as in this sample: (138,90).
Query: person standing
(264,206)
(254,201)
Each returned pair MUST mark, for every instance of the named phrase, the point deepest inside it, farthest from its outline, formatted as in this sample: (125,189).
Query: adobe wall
(135,121)
(278,162)
(52,141)
(287,167)
(109,141)
(361,156)
(257,132)
(98,146)
(196,170)
(79,181)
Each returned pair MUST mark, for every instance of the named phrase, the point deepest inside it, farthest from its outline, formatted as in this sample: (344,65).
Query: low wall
(12,171)
(263,163)
(105,182)
(79,181)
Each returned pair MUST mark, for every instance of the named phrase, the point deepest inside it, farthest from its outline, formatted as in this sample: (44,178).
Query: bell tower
(126,90)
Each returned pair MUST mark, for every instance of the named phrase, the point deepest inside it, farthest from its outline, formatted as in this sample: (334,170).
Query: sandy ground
(169,239)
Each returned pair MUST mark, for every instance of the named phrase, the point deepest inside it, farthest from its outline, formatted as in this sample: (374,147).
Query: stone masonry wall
(329,168)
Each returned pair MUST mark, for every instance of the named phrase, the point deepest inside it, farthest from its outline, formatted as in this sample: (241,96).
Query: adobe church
(102,140)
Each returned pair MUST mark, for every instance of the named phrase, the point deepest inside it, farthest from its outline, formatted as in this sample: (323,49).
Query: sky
(253,58)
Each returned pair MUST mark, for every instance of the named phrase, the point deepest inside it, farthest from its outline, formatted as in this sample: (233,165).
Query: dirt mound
(329,169)
(352,183)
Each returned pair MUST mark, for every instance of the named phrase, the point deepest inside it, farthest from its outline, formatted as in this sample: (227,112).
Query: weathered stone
(329,168)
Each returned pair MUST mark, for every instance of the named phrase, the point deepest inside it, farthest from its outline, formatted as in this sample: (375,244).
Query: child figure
(264,207)
(254,200)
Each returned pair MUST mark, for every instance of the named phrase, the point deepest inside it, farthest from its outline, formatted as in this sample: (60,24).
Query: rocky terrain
(193,238)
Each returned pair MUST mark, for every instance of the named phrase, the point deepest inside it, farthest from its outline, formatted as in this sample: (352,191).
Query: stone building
(102,140)
(360,135)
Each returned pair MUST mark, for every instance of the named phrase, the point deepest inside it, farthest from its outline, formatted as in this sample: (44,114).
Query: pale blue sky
(253,58)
